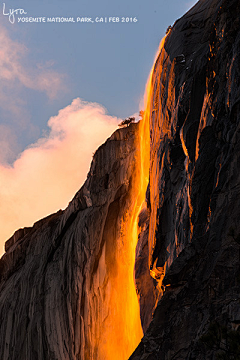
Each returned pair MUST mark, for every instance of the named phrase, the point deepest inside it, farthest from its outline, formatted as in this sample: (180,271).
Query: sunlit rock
(194,206)
(67,288)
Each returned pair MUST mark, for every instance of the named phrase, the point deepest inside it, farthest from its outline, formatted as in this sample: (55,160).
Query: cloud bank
(46,175)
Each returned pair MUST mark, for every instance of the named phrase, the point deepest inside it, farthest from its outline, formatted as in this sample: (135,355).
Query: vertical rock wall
(58,278)
(64,288)
(194,200)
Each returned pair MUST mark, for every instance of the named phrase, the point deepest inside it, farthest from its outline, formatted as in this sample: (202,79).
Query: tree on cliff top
(127,121)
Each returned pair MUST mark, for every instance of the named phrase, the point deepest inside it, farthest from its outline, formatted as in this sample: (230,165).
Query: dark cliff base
(197,152)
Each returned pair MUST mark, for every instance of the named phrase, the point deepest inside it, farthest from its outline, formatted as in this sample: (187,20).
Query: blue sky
(104,63)
(64,87)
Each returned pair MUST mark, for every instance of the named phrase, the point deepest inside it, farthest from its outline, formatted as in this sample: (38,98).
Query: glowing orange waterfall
(144,133)
(122,331)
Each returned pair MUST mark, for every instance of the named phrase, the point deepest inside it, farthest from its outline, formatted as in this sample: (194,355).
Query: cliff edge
(193,200)
(66,284)
(58,279)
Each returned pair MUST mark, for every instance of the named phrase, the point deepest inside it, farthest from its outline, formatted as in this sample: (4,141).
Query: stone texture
(194,203)
(146,285)
(55,276)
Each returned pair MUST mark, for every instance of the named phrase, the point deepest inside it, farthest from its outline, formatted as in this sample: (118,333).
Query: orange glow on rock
(144,140)
(122,329)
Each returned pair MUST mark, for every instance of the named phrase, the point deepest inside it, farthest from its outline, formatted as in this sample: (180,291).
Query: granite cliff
(193,199)
(60,279)
(66,287)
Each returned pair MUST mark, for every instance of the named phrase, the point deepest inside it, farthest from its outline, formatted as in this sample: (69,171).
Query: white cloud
(46,175)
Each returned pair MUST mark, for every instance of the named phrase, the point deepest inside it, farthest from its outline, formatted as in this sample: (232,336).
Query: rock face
(65,288)
(58,278)
(194,202)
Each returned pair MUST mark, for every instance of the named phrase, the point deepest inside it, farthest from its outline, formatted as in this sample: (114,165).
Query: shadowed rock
(55,277)
(194,205)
